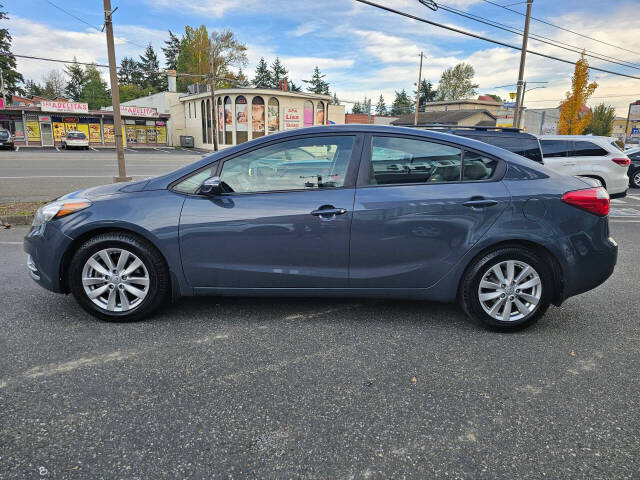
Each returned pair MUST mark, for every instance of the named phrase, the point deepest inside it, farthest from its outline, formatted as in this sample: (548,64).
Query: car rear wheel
(635,179)
(118,277)
(509,288)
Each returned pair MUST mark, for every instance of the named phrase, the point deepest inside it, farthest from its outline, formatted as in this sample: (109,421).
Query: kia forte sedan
(358,211)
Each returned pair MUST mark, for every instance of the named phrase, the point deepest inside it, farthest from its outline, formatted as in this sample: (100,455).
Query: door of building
(46,134)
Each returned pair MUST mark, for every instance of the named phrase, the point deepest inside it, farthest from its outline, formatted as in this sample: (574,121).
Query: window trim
(367,149)
(349,181)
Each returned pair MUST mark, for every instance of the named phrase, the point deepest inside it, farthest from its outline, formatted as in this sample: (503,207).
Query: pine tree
(381,107)
(94,89)
(152,78)
(129,72)
(32,88)
(171,51)
(262,77)
(357,108)
(76,80)
(10,76)
(241,79)
(402,104)
(335,100)
(317,84)
(278,73)
(427,93)
(293,87)
(366,105)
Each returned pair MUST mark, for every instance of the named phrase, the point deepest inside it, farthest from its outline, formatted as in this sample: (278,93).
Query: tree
(152,78)
(194,55)
(457,83)
(32,88)
(292,86)
(10,75)
(317,84)
(402,104)
(76,79)
(381,107)
(130,92)
(94,89)
(427,93)
(357,108)
(335,100)
(171,51)
(366,105)
(602,120)
(572,119)
(129,72)
(54,84)
(278,73)
(262,77)
(241,79)
(495,97)
(226,51)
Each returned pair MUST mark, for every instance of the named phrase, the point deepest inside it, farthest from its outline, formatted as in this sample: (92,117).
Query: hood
(109,189)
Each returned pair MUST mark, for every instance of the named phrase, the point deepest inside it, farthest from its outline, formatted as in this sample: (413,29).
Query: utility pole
(214,115)
(115,93)
(626,127)
(415,117)
(523,56)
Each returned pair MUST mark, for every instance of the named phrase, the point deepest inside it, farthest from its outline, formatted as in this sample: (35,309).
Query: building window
(228,121)
(209,136)
(257,117)
(242,120)
(320,114)
(274,115)
(220,121)
(189,109)
(308,113)
(204,125)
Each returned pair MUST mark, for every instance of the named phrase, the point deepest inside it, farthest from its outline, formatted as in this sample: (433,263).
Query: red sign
(63,107)
(131,111)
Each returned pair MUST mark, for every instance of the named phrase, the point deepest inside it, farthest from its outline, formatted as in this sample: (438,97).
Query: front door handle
(328,211)
(480,203)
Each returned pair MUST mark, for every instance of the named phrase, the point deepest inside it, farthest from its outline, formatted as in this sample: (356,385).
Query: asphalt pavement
(319,388)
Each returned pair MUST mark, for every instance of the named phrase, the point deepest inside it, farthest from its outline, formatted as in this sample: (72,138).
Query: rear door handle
(328,210)
(480,203)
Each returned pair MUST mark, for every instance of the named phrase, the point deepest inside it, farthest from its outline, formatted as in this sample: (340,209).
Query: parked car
(511,139)
(74,139)
(588,156)
(634,167)
(6,139)
(353,210)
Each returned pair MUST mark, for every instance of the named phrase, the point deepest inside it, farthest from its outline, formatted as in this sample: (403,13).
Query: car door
(285,224)
(418,210)
(554,153)
(592,159)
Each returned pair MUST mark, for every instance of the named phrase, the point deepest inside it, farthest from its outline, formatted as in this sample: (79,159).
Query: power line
(559,27)
(486,39)
(539,38)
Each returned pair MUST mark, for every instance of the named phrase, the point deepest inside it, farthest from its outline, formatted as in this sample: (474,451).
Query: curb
(17,220)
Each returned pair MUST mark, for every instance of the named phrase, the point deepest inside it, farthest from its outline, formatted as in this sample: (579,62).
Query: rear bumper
(45,246)
(592,265)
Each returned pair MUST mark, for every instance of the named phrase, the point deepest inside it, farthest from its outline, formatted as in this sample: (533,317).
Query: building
(541,121)
(466,104)
(247,113)
(364,118)
(465,118)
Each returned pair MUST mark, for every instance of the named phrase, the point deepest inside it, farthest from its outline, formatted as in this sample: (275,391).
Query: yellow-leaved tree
(573,120)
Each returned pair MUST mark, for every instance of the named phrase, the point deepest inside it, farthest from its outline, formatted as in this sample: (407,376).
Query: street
(318,388)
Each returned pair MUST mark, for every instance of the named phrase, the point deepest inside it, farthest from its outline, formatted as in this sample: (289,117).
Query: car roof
(575,137)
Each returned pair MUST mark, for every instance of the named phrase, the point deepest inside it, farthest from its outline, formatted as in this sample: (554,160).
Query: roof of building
(256,91)
(450,117)
(467,101)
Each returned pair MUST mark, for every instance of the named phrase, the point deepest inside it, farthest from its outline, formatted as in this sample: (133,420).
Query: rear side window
(526,146)
(78,135)
(403,160)
(554,148)
(478,167)
(587,149)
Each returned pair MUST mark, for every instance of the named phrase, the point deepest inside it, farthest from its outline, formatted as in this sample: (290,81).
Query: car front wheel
(118,277)
(509,288)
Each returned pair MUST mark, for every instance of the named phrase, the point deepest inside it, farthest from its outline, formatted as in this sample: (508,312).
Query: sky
(362,50)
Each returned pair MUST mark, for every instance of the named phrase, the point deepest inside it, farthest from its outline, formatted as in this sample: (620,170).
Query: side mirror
(214,186)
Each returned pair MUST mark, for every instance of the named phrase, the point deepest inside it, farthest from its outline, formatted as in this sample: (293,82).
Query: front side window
(554,148)
(587,149)
(403,160)
(301,164)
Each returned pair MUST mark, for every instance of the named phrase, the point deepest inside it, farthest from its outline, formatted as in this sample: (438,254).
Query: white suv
(588,156)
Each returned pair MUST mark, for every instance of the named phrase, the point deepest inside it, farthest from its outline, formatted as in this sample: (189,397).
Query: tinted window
(478,167)
(554,148)
(634,156)
(587,149)
(78,135)
(4,134)
(309,163)
(526,146)
(403,160)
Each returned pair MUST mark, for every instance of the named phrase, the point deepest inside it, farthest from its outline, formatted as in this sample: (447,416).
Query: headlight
(58,209)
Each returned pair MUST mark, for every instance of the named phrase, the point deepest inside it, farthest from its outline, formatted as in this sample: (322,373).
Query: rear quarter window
(554,148)
(587,149)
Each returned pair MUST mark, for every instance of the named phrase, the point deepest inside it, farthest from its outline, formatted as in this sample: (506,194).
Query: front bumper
(45,246)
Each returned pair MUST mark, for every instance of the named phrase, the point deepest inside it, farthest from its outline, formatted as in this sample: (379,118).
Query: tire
(523,310)
(635,179)
(136,293)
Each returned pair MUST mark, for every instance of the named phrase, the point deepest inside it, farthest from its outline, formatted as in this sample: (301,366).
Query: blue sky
(363,51)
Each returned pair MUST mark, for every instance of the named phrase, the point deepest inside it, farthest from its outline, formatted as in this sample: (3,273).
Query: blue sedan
(362,211)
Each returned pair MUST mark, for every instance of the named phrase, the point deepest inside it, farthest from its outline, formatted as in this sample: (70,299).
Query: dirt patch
(19,208)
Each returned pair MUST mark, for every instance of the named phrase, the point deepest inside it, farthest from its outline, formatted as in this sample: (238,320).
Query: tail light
(625,162)
(592,200)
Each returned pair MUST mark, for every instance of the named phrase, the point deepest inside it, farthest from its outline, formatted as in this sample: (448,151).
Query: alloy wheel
(115,279)
(510,290)
(636,179)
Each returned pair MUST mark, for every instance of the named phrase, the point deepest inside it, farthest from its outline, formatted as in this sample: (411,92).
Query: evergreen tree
(94,89)
(171,51)
(76,78)
(293,87)
(381,107)
(278,73)
(317,84)
(32,88)
(402,104)
(129,72)
(357,108)
(427,93)
(130,92)
(262,77)
(10,76)
(366,105)
(152,78)
(241,79)
(335,100)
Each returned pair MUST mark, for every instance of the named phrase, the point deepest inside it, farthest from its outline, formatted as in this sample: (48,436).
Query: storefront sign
(291,118)
(94,133)
(131,111)
(44,118)
(242,116)
(257,118)
(161,134)
(58,131)
(63,107)
(109,136)
(33,131)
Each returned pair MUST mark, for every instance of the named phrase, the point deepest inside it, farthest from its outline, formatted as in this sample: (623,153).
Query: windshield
(4,134)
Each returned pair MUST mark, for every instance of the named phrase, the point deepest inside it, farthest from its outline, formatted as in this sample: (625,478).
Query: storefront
(46,125)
